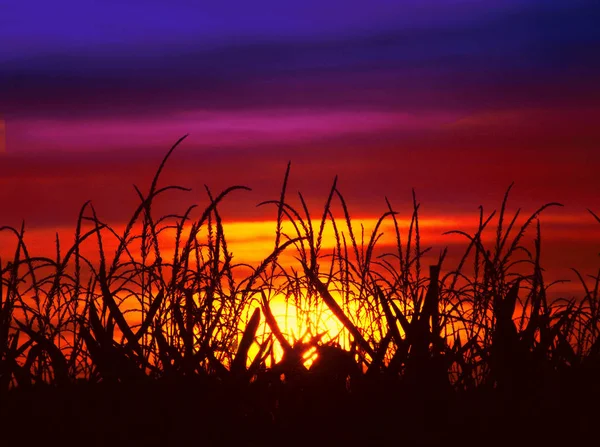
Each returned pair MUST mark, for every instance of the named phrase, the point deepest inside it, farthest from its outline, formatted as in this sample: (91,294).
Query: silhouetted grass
(129,347)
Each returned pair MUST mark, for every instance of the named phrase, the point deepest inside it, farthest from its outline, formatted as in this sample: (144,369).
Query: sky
(456,99)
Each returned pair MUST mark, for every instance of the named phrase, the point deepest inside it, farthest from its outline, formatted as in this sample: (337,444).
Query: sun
(311,324)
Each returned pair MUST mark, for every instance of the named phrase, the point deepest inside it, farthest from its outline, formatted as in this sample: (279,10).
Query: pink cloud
(210,128)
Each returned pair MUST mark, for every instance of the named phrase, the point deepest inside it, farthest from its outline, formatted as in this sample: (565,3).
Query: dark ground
(208,412)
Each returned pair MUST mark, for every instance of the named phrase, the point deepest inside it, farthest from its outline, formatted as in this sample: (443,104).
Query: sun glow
(300,322)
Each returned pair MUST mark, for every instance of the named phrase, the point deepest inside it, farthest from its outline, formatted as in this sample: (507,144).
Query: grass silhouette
(462,355)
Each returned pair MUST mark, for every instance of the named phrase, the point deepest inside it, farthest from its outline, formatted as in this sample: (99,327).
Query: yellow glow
(299,324)
(251,241)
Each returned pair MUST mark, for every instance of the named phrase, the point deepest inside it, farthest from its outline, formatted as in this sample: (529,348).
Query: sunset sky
(456,99)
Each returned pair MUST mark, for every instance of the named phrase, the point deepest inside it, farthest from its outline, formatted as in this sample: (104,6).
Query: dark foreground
(474,354)
(273,413)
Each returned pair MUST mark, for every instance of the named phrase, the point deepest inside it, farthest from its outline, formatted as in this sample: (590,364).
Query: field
(155,335)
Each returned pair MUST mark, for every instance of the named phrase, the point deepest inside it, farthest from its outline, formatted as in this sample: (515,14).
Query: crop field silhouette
(155,335)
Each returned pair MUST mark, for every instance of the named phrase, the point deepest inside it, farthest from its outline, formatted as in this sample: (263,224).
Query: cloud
(521,55)
(237,128)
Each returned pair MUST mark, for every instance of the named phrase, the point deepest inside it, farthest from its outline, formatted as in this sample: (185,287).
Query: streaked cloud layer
(143,58)
(78,67)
